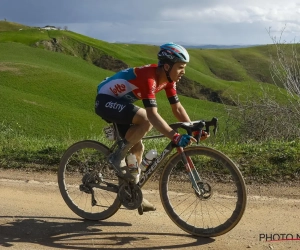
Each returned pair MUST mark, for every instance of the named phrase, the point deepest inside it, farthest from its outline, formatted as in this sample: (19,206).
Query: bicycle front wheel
(224,202)
(86,183)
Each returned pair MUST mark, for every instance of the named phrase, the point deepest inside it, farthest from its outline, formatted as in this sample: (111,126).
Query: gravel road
(33,215)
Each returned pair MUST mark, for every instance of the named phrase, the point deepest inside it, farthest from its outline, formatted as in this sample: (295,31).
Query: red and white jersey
(138,83)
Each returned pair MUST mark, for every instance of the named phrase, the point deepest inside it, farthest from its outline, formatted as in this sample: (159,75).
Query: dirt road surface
(33,215)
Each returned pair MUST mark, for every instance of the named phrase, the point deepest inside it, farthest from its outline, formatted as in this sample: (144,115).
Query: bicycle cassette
(130,195)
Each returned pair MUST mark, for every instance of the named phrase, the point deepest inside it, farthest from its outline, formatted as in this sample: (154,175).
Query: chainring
(130,195)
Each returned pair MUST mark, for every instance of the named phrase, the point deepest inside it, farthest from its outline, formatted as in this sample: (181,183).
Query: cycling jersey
(138,83)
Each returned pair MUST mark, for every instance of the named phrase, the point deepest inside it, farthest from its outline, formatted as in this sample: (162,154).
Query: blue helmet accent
(171,52)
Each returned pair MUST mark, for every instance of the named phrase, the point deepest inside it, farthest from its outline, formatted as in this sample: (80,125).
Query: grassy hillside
(11,26)
(48,83)
(34,78)
(219,70)
(48,93)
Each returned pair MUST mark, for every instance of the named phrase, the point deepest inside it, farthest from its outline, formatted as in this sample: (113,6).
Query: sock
(121,152)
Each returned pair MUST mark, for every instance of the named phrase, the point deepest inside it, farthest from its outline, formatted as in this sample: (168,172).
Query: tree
(285,67)
(269,115)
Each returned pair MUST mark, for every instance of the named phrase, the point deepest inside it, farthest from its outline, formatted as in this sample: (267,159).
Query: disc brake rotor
(205,189)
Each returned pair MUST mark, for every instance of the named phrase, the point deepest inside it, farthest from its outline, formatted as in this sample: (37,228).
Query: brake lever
(198,136)
(206,124)
(214,123)
(201,124)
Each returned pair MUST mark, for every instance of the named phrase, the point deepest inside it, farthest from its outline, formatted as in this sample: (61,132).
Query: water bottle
(133,166)
(148,159)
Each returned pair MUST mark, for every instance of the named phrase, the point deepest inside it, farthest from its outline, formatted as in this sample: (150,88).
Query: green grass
(134,55)
(11,26)
(41,87)
(28,37)
(48,93)
(47,98)
(273,161)
(228,71)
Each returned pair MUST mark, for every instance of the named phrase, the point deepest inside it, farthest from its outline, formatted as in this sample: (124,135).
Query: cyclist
(116,95)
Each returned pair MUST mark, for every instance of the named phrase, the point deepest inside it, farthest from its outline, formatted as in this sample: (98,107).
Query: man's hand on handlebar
(183,140)
(204,135)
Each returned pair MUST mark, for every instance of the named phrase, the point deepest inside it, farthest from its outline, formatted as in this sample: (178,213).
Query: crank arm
(110,187)
(93,201)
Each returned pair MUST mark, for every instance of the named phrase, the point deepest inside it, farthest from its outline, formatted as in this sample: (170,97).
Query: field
(48,85)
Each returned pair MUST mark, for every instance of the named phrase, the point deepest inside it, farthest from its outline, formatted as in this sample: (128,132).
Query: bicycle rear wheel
(220,209)
(82,171)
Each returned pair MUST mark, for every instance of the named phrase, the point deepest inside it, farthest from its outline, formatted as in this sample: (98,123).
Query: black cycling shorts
(112,109)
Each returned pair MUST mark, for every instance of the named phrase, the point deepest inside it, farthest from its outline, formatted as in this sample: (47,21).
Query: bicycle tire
(76,165)
(208,217)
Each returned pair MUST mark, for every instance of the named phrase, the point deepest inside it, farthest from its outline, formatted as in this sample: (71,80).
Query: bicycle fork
(194,177)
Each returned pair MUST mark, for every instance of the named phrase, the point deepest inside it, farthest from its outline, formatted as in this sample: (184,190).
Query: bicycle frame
(190,168)
(207,204)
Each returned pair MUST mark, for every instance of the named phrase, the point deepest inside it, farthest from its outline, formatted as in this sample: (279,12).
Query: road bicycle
(201,189)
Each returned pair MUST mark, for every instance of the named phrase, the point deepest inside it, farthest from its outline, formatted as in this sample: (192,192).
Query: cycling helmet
(172,53)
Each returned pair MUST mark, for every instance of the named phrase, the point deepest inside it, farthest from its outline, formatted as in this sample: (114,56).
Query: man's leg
(141,126)
(133,136)
(130,114)
(138,150)
(124,113)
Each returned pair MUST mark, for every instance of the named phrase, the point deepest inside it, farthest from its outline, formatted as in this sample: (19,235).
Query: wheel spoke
(83,170)
(219,208)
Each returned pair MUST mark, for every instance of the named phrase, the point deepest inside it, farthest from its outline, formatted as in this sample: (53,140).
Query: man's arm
(159,123)
(163,127)
(182,116)
(180,113)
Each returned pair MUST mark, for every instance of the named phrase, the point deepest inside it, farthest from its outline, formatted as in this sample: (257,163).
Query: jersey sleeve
(148,94)
(147,90)
(171,93)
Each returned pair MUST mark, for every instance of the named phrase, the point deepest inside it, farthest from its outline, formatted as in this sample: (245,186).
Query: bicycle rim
(206,216)
(82,166)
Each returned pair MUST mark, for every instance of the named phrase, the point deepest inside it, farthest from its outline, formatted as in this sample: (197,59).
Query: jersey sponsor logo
(174,86)
(152,101)
(160,87)
(118,89)
(149,103)
(115,105)
(153,88)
